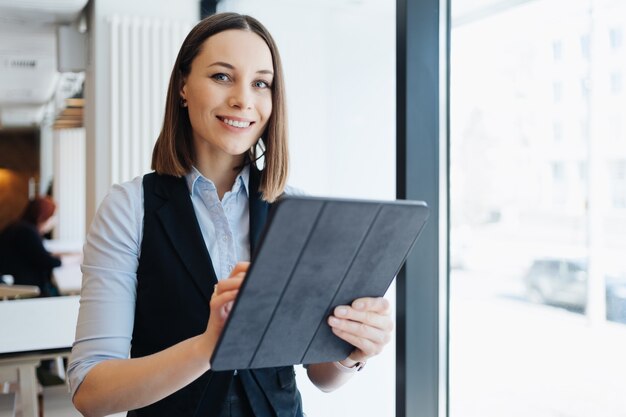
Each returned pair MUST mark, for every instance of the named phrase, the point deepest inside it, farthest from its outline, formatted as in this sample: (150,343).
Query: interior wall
(19,161)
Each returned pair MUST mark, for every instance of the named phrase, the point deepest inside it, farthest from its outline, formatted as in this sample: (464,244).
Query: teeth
(236,123)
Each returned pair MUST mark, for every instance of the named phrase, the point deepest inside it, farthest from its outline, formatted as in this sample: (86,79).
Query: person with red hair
(22,253)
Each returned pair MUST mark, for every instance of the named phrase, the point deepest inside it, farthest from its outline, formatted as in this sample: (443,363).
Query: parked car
(563,282)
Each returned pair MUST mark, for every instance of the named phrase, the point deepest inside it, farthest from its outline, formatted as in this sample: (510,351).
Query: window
(584,128)
(524,340)
(584,87)
(557,129)
(557,50)
(615,128)
(557,91)
(618,184)
(615,35)
(558,171)
(616,82)
(582,171)
(584,46)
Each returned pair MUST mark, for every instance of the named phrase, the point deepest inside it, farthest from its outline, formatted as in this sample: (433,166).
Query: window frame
(422,167)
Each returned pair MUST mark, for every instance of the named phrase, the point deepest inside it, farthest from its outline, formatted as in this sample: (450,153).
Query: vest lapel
(181,226)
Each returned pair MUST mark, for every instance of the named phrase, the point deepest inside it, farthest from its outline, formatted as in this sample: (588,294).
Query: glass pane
(538,209)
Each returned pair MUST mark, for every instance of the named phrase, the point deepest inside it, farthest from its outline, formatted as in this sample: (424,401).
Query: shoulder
(291,191)
(129,192)
(121,211)
(123,199)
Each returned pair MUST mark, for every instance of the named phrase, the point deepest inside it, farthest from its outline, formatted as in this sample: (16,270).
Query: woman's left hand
(366,324)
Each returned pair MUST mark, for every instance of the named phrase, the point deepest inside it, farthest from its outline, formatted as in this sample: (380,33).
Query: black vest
(175,280)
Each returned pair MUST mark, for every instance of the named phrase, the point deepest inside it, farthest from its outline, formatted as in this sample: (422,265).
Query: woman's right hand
(224,294)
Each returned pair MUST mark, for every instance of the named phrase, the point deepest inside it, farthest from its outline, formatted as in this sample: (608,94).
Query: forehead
(241,48)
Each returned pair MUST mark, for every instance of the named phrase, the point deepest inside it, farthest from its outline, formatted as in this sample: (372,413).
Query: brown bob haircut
(174,151)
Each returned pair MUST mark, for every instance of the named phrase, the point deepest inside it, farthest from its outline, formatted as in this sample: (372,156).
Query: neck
(222,171)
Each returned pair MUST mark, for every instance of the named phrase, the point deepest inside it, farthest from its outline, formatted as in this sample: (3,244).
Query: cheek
(266,109)
(199,112)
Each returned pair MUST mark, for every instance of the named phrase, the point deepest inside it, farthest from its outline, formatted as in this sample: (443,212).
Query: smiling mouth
(236,123)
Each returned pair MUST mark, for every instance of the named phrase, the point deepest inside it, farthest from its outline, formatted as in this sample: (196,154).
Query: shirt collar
(195,177)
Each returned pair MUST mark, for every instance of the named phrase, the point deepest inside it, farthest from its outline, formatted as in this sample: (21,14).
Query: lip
(234,129)
(237,119)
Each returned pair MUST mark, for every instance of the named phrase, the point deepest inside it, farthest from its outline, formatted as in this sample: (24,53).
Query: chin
(238,149)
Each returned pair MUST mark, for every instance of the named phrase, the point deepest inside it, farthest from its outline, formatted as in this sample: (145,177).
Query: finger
(366,346)
(361,330)
(219,301)
(240,267)
(377,304)
(228,284)
(374,319)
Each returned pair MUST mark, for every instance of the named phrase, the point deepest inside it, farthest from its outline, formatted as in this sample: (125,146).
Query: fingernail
(342,311)
(359,305)
(333,320)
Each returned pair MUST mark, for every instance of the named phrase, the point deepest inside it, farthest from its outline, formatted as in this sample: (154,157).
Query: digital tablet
(314,254)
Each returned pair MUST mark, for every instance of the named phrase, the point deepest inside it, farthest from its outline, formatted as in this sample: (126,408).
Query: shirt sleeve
(294,192)
(109,286)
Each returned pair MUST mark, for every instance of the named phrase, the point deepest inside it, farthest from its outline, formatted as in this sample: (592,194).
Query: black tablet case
(315,254)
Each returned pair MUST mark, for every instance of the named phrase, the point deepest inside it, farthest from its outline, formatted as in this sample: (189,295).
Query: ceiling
(28,45)
(28,62)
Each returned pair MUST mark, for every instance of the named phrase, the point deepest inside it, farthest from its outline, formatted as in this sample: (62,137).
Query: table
(34,330)
(68,277)
(18,291)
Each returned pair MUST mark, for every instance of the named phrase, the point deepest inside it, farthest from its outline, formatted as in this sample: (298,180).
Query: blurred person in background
(22,253)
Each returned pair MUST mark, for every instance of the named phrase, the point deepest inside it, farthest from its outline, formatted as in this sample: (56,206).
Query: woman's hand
(366,324)
(224,294)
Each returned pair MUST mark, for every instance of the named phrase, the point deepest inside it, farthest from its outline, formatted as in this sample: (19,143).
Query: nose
(240,98)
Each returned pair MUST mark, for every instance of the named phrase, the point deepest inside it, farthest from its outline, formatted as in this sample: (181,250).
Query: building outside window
(525,339)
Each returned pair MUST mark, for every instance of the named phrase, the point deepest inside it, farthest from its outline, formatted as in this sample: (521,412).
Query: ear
(182,81)
(183,90)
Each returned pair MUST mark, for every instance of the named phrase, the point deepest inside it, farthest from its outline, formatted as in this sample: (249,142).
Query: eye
(261,84)
(220,77)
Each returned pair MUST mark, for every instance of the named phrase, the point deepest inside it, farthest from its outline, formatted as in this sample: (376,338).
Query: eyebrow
(229,66)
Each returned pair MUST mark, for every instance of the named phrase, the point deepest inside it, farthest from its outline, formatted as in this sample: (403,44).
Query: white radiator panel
(142,54)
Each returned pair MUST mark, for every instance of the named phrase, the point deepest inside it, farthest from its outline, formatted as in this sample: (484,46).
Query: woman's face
(228,93)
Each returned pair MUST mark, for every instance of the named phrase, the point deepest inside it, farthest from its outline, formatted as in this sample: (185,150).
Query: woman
(22,253)
(160,246)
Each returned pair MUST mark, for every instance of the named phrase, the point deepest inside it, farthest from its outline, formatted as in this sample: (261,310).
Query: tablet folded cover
(315,254)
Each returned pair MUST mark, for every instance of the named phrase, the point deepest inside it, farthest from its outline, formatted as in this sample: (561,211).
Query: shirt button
(225,238)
